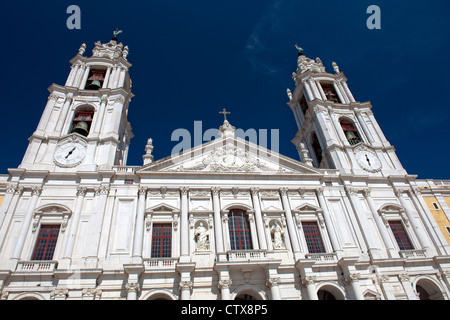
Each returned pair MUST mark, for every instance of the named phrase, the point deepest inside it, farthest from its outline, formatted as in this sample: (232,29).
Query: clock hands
(70,152)
(368,161)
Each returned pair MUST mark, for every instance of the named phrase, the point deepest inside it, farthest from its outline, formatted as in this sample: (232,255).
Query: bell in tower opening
(95,80)
(82,122)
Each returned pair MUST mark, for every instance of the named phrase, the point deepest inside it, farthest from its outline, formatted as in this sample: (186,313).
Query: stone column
(290,223)
(217,221)
(363,125)
(363,223)
(185,288)
(132,290)
(251,220)
(85,77)
(380,225)
(347,90)
(407,286)
(184,234)
(73,71)
(329,224)
(35,192)
(107,75)
(224,286)
(64,111)
(418,229)
(139,229)
(273,284)
(81,192)
(309,282)
(353,279)
(258,217)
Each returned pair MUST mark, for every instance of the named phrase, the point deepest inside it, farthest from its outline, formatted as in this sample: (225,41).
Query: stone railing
(40,265)
(246,255)
(160,263)
(413,253)
(322,257)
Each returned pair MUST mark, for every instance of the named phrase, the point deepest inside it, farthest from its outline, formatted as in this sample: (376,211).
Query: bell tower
(334,130)
(84,125)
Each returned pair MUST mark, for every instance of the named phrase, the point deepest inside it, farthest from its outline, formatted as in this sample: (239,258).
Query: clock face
(368,161)
(70,154)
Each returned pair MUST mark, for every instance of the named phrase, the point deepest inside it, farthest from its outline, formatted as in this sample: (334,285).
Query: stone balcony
(37,266)
(160,264)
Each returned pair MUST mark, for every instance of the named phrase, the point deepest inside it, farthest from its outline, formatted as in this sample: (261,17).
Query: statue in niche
(201,238)
(277,234)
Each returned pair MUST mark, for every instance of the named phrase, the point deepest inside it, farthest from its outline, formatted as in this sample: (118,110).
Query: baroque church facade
(224,220)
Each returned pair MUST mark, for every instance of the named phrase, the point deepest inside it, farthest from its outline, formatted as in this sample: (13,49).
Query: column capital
(185,285)
(254,191)
(352,277)
(184,191)
(81,191)
(102,190)
(273,281)
(36,190)
(215,191)
(59,293)
(132,287)
(91,292)
(367,192)
(284,191)
(142,191)
(309,280)
(224,284)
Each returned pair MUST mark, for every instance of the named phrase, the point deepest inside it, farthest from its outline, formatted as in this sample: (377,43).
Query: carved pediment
(232,155)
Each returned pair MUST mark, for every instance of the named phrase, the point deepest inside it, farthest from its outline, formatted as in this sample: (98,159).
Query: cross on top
(224,112)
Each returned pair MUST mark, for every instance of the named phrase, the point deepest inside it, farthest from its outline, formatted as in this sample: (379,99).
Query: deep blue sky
(192,58)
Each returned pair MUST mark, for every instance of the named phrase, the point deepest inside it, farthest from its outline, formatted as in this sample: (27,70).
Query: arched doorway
(245,296)
(325,295)
(428,290)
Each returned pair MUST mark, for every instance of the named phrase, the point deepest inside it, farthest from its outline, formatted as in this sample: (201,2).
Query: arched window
(316,148)
(239,227)
(350,131)
(330,92)
(95,79)
(82,120)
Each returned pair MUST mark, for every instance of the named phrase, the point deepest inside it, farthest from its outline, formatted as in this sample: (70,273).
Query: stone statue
(289,94)
(82,49)
(277,236)
(201,238)
(335,67)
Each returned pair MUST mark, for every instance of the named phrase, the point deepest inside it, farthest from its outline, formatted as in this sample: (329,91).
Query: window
(303,104)
(400,235)
(46,242)
(82,121)
(350,132)
(317,149)
(240,237)
(448,229)
(95,79)
(330,92)
(435,205)
(312,237)
(162,240)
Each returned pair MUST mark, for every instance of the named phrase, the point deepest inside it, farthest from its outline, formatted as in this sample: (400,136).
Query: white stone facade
(106,211)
